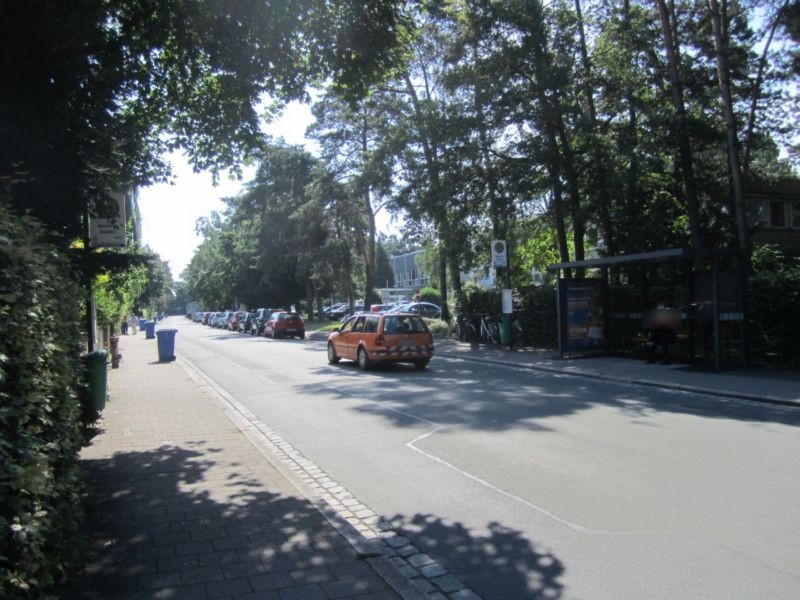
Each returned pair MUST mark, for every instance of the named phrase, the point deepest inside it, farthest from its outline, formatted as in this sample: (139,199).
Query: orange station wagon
(369,339)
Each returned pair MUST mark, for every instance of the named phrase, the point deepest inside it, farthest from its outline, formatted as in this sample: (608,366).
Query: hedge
(40,414)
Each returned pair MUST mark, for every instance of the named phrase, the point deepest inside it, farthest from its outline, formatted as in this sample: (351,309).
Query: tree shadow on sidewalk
(192,522)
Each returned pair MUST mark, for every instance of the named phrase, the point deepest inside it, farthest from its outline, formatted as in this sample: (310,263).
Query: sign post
(500,260)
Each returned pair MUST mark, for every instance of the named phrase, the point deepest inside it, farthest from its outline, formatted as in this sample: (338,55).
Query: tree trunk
(575,209)
(369,254)
(443,279)
(762,65)
(631,142)
(719,26)
(681,127)
(601,180)
(455,279)
(558,214)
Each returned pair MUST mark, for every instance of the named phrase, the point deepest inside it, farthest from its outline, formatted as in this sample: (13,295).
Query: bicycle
(467,328)
(517,333)
(490,330)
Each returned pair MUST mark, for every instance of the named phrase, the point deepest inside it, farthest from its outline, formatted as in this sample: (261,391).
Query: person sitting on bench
(661,325)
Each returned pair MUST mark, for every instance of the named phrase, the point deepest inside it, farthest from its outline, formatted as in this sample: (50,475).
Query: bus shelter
(603,304)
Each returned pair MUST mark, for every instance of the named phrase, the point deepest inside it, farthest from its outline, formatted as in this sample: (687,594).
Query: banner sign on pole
(499,254)
(508,302)
(107,224)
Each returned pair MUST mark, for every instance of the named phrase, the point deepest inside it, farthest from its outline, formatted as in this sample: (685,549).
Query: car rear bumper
(398,353)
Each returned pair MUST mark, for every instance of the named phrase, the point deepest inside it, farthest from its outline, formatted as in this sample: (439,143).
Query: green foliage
(143,285)
(536,311)
(40,425)
(774,295)
(95,92)
(535,308)
(429,294)
(480,300)
(438,328)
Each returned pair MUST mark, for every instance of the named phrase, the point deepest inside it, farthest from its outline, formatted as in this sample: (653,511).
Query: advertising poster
(584,314)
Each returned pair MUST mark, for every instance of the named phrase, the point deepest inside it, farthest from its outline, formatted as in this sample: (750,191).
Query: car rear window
(404,324)
(371,326)
(288,316)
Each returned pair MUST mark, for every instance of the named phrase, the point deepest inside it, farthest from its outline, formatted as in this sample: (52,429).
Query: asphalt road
(534,485)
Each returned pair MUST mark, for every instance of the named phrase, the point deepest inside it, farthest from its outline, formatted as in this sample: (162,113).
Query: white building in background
(409,275)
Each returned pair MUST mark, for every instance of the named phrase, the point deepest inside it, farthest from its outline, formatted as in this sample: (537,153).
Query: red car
(285,324)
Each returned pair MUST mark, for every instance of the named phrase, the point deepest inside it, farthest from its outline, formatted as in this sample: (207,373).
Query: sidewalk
(185,505)
(757,385)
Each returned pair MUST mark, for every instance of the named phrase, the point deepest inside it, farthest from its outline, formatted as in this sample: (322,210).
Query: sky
(169,212)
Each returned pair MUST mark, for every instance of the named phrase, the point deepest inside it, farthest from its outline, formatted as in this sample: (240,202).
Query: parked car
(260,319)
(423,309)
(285,324)
(207,317)
(338,311)
(233,321)
(222,322)
(381,308)
(374,338)
(246,322)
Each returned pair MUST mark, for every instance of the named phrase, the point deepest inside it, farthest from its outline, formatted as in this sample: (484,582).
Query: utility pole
(87,278)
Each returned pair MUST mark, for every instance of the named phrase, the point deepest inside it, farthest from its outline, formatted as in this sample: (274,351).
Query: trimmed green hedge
(535,307)
(774,297)
(40,411)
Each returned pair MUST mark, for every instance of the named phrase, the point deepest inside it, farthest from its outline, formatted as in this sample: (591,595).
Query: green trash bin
(97,378)
(505,329)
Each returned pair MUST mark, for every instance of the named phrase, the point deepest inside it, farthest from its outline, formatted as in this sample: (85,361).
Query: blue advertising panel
(583,313)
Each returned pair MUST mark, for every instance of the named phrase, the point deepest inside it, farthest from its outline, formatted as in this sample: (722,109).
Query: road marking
(436,428)
(543,511)
(228,360)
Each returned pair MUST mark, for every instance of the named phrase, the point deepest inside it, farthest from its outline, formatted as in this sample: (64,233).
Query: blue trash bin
(166,344)
(149,330)
(141,323)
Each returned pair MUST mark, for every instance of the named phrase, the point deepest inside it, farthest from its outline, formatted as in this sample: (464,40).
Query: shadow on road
(490,398)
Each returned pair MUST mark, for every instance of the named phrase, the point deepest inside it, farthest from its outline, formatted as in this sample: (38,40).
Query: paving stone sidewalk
(185,506)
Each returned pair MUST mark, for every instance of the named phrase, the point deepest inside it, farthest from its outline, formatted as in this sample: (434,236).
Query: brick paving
(184,505)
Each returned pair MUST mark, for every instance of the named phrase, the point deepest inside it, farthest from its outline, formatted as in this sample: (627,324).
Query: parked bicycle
(468,328)
(490,329)
(485,329)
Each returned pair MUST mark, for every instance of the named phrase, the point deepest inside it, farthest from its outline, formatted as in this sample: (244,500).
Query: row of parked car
(340,312)
(270,322)
(368,338)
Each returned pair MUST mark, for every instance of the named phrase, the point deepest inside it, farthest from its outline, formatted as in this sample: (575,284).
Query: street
(527,484)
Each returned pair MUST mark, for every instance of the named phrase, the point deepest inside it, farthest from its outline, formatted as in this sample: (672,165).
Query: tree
(352,139)
(96,90)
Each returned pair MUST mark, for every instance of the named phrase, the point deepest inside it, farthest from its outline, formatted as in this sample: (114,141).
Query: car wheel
(421,363)
(302,336)
(332,358)
(363,361)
